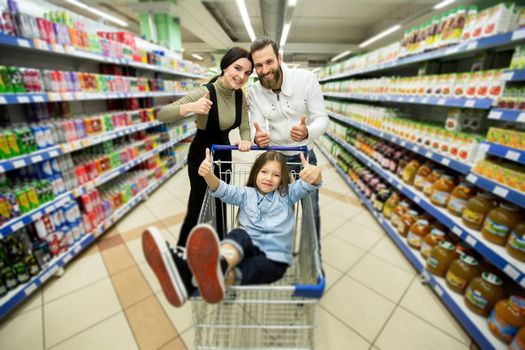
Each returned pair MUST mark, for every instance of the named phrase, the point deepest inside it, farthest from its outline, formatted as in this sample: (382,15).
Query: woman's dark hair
(231,56)
(264,158)
(261,43)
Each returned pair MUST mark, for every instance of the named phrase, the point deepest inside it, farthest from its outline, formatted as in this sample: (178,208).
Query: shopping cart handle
(257,148)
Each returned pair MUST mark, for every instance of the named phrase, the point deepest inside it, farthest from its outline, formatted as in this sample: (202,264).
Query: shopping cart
(276,316)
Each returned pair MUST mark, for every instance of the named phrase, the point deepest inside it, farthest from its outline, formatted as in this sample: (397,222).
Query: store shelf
(55,151)
(475,325)
(456,165)
(22,98)
(498,189)
(497,255)
(17,223)
(456,50)
(16,296)
(514,75)
(477,103)
(509,115)
(516,155)
(67,50)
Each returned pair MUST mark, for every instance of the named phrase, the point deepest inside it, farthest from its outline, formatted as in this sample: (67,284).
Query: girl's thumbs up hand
(205,167)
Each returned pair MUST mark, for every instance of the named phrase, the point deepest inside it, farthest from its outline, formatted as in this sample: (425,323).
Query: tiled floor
(109,299)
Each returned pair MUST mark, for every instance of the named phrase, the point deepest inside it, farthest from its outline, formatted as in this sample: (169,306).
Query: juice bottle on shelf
(477,209)
(483,292)
(442,189)
(516,241)
(459,198)
(461,272)
(499,223)
(440,258)
(432,239)
(470,23)
(417,233)
(507,317)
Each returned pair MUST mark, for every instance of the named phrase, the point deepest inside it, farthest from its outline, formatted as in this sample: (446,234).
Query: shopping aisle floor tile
(117,258)
(366,219)
(406,331)
(333,334)
(175,344)
(139,216)
(340,254)
(24,331)
(332,275)
(330,222)
(387,250)
(167,209)
(131,286)
(79,273)
(357,235)
(357,306)
(33,301)
(110,334)
(181,317)
(421,301)
(382,277)
(150,325)
(77,311)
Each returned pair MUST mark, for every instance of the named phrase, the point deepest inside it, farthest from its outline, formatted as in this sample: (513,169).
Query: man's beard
(272,84)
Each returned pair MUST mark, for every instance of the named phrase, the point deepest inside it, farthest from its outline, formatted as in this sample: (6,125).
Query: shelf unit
(53,52)
(58,150)
(501,151)
(474,324)
(498,189)
(508,115)
(469,47)
(16,296)
(477,103)
(67,50)
(454,164)
(17,223)
(497,255)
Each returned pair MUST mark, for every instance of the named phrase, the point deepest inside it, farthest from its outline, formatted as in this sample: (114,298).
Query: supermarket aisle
(109,299)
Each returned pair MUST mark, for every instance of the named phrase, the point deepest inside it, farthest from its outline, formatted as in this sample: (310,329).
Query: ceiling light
(246,18)
(316,70)
(197,57)
(98,12)
(341,55)
(380,35)
(443,4)
(284,35)
(292,3)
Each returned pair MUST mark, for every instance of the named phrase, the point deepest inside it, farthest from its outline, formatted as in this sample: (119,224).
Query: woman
(220,107)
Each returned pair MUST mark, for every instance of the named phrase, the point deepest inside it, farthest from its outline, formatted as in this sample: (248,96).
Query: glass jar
(406,222)
(483,292)
(516,242)
(499,222)
(399,212)
(417,232)
(440,258)
(461,272)
(431,240)
(459,198)
(391,204)
(409,172)
(442,190)
(422,173)
(429,181)
(477,209)
(518,343)
(507,317)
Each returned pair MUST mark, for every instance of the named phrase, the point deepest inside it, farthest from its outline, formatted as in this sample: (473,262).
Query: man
(286,106)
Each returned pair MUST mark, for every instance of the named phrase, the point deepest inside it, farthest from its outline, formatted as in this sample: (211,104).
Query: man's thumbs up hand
(299,132)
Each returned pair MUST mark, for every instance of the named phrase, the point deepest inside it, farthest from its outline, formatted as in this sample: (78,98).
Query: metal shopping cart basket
(276,316)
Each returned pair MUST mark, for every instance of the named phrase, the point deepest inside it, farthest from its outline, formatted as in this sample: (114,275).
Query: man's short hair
(261,43)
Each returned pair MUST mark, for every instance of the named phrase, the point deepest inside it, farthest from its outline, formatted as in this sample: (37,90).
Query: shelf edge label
(511,271)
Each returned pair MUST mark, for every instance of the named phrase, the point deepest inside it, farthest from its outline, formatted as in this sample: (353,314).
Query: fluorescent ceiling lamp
(443,4)
(292,3)
(341,55)
(246,18)
(198,57)
(380,35)
(316,70)
(98,12)
(284,35)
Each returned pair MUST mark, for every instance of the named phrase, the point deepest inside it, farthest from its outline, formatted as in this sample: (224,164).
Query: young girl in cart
(257,252)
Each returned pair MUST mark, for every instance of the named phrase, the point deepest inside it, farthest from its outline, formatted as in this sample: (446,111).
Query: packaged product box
(484,80)
(500,19)
(472,85)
